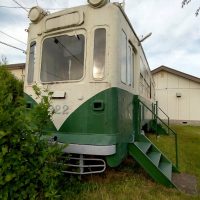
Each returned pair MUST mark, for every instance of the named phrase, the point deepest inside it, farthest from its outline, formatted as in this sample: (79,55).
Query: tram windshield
(63,58)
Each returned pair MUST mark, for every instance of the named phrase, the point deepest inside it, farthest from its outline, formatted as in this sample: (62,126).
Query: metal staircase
(154,162)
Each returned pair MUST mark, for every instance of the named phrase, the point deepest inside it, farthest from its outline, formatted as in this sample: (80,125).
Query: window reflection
(99,53)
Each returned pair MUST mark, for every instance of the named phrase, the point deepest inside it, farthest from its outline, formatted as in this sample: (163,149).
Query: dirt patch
(186,183)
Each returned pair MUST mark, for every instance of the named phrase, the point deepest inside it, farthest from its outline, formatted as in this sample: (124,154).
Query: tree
(186,2)
(27,161)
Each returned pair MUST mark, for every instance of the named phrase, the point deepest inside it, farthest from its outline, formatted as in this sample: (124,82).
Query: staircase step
(155,157)
(166,169)
(161,174)
(143,146)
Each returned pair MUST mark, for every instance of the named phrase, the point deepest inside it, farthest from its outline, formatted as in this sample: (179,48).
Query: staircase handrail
(173,132)
(164,114)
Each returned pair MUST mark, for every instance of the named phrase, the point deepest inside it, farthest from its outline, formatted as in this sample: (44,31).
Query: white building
(18,70)
(178,94)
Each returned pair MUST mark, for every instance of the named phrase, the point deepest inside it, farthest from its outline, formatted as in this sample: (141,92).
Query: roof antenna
(145,37)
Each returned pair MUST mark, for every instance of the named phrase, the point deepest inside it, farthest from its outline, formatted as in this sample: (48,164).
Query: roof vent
(98,3)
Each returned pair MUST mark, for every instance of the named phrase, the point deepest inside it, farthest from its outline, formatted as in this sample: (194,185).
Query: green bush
(27,162)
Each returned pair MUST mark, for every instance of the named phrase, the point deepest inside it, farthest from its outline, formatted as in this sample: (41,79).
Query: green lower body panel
(121,152)
(85,139)
(103,120)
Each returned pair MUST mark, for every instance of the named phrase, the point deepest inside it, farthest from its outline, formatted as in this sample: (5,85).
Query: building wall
(18,73)
(184,108)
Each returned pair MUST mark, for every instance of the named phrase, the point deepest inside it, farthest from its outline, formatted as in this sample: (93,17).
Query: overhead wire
(9,45)
(20,5)
(12,37)
(12,7)
(17,7)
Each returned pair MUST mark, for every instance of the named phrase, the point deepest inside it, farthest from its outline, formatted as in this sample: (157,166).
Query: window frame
(130,62)
(28,66)
(121,57)
(93,52)
(67,33)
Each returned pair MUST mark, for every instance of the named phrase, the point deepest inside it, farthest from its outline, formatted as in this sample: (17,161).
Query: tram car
(93,62)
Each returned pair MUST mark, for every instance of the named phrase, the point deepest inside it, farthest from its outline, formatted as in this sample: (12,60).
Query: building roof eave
(16,66)
(176,72)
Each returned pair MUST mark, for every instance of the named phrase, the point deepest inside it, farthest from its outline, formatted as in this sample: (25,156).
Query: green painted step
(166,168)
(143,146)
(155,157)
(152,160)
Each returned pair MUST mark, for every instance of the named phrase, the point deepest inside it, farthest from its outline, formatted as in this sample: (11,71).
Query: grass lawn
(129,181)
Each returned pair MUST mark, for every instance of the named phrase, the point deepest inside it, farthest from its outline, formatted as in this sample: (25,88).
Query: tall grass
(188,148)
(129,181)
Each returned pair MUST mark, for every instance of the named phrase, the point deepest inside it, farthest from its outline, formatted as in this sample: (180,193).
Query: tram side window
(130,65)
(99,53)
(141,84)
(127,61)
(31,62)
(124,58)
(150,90)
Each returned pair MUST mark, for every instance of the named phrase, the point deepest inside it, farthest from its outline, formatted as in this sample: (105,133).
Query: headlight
(36,14)
(97,3)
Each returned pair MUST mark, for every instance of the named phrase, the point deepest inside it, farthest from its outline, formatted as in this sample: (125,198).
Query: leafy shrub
(26,160)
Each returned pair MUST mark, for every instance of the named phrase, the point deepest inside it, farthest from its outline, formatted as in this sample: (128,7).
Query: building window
(99,53)
(31,62)
(63,58)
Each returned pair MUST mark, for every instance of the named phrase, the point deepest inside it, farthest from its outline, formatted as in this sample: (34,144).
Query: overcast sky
(175,40)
